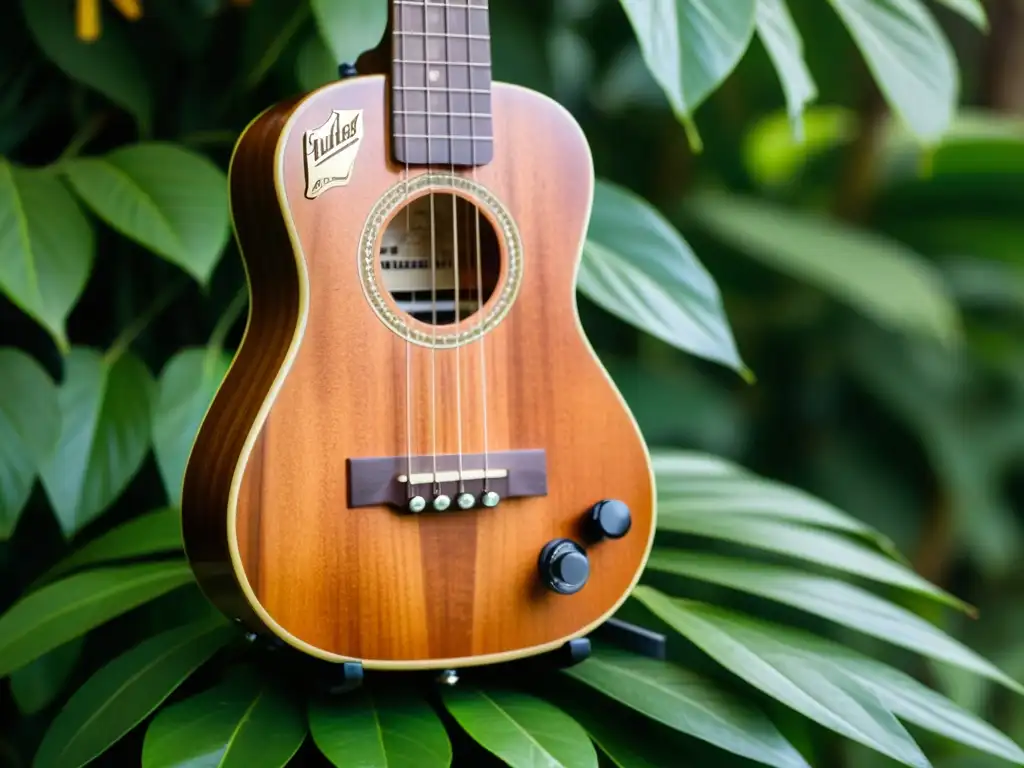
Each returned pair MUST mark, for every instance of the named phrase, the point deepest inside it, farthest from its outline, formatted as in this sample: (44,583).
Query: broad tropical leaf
(782,40)
(834,600)
(29,428)
(376,728)
(688,703)
(47,246)
(122,693)
(315,66)
(105,431)
(108,64)
(270,27)
(51,616)
(186,387)
(350,27)
(803,682)
(821,547)
(910,58)
(636,266)
(243,722)
(878,277)
(691,46)
(36,685)
(521,730)
(168,198)
(152,533)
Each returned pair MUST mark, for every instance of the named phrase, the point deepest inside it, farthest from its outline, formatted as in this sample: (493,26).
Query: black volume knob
(564,566)
(609,519)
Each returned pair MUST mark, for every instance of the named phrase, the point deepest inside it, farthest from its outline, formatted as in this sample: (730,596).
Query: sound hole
(418,256)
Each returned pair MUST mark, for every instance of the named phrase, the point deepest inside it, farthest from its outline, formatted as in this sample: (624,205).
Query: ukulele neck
(441,83)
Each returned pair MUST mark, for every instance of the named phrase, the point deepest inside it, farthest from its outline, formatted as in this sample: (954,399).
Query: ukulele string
(479,267)
(433,257)
(410,489)
(455,248)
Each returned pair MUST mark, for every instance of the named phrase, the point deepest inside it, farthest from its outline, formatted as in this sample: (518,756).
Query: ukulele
(416,460)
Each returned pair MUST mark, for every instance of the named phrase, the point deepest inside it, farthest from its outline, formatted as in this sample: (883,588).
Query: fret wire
(432,113)
(440,89)
(456,36)
(433,136)
(444,64)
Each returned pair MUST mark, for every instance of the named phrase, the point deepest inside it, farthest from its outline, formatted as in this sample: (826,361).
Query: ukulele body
(329,375)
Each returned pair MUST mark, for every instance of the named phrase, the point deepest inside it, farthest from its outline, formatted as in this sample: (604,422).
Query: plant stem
(85,134)
(142,322)
(228,319)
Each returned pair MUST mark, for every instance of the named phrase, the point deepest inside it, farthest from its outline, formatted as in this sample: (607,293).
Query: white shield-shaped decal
(331,151)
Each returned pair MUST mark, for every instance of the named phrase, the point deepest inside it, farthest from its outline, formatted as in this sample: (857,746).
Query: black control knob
(608,519)
(564,566)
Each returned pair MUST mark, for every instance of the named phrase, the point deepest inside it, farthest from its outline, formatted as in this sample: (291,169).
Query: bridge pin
(442,502)
(466,500)
(417,504)
(490,499)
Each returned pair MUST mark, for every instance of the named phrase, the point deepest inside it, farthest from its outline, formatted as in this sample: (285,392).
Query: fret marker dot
(434,75)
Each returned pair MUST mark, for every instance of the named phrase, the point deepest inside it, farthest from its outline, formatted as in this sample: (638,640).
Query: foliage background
(868,278)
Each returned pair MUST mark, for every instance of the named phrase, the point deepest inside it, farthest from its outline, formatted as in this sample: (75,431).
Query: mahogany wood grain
(390,589)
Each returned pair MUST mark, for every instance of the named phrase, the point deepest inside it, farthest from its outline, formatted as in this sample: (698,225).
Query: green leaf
(242,722)
(168,198)
(374,728)
(636,266)
(802,682)
(835,600)
(149,534)
(785,47)
(108,64)
(688,703)
(36,685)
(270,27)
(47,247)
(878,277)
(520,729)
(314,66)
(66,609)
(350,27)
(186,388)
(821,547)
(105,411)
(972,10)
(698,484)
(123,693)
(691,46)
(910,59)
(29,428)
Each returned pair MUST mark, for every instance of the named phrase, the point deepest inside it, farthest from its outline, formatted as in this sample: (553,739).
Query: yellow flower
(87,22)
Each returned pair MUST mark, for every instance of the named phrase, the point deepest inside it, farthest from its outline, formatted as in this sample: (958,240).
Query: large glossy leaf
(36,685)
(243,722)
(691,46)
(821,547)
(522,730)
(105,409)
(51,616)
(107,64)
(314,65)
(691,483)
(375,728)
(29,428)
(168,198)
(972,10)
(910,59)
(122,693)
(186,387)
(350,27)
(47,246)
(689,703)
(782,40)
(833,599)
(270,27)
(878,277)
(804,682)
(149,534)
(636,266)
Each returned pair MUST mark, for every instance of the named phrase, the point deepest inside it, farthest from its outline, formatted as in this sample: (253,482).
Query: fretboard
(441,83)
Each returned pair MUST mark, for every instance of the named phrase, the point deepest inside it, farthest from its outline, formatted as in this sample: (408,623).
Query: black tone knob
(564,566)
(609,519)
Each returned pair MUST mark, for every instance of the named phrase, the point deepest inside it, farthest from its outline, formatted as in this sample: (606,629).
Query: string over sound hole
(425,246)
